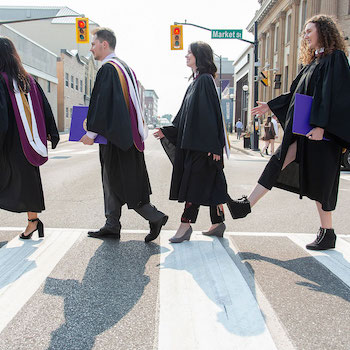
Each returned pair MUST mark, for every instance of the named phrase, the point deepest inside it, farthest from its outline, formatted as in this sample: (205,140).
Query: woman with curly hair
(310,165)
(195,145)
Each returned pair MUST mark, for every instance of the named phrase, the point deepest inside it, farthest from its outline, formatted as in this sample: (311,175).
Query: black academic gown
(20,182)
(315,172)
(197,130)
(121,162)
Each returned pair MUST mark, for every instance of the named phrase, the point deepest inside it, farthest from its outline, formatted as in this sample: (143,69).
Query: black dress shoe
(104,232)
(325,240)
(239,208)
(155,228)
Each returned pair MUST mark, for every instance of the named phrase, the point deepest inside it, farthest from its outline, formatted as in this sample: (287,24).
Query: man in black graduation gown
(112,115)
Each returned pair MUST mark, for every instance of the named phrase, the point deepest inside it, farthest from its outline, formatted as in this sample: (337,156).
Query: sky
(142,28)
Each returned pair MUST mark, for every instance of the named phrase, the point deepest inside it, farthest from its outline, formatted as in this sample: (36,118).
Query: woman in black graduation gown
(198,134)
(20,182)
(310,165)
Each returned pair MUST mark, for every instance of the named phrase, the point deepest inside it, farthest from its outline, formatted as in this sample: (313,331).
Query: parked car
(346,159)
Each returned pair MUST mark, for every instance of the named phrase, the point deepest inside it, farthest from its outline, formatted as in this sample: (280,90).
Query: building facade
(243,82)
(224,81)
(54,34)
(37,61)
(280,26)
(150,106)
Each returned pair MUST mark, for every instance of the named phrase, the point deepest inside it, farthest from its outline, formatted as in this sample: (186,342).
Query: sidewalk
(238,145)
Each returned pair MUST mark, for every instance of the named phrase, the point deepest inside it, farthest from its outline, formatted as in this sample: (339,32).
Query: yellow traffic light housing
(265,78)
(176,37)
(82,30)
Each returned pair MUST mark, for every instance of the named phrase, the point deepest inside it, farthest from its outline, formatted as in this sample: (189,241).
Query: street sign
(226,33)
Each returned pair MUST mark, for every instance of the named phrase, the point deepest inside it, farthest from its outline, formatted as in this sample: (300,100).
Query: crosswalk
(69,152)
(248,290)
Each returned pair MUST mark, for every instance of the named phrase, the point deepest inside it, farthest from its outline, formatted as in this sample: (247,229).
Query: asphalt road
(256,288)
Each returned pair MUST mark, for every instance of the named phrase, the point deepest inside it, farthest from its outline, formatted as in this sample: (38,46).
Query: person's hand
(48,138)
(216,157)
(158,134)
(86,140)
(261,109)
(316,134)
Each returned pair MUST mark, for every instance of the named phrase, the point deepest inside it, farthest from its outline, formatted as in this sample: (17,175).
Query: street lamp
(231,124)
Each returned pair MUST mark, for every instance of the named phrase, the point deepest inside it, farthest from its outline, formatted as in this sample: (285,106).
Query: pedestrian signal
(82,30)
(176,37)
(264,77)
(277,81)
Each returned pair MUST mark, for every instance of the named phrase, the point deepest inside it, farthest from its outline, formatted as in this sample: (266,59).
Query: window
(267,47)
(67,112)
(85,86)
(72,81)
(286,87)
(81,86)
(90,87)
(67,79)
(48,87)
(288,27)
(76,84)
(277,38)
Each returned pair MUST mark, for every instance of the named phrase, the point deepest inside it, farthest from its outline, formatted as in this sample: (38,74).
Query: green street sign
(226,34)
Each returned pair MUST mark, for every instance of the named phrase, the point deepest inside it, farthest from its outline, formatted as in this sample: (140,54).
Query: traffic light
(176,37)
(277,81)
(82,30)
(264,78)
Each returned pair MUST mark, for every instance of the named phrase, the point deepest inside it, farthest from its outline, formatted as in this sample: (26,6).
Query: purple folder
(78,125)
(301,116)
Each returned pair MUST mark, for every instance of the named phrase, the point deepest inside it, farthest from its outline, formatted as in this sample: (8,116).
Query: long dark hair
(11,64)
(204,58)
(268,121)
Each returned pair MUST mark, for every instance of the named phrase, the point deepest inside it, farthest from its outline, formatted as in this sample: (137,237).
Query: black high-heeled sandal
(39,227)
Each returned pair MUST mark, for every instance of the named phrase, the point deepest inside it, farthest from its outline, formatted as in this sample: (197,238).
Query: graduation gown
(20,182)
(197,130)
(315,172)
(121,161)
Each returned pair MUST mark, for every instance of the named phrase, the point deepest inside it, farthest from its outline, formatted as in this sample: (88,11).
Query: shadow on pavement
(112,285)
(305,267)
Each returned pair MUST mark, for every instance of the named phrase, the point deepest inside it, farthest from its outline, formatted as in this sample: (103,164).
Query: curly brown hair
(330,37)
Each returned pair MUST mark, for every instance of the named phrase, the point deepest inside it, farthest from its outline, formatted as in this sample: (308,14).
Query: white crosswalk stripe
(208,299)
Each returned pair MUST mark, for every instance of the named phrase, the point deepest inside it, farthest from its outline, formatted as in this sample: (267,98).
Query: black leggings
(191,212)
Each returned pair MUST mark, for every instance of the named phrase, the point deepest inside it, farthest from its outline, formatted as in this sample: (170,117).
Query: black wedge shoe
(239,208)
(325,240)
(39,227)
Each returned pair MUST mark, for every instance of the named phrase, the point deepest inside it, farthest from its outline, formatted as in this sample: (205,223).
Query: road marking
(337,261)
(345,176)
(61,151)
(24,265)
(205,301)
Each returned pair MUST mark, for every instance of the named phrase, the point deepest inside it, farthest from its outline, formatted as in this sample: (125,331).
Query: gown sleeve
(280,105)
(108,113)
(50,123)
(331,106)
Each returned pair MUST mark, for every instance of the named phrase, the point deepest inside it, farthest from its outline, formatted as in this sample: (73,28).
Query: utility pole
(255,145)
